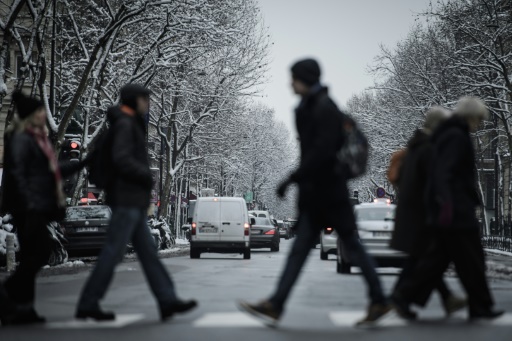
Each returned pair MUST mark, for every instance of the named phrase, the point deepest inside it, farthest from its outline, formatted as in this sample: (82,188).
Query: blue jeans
(127,224)
(307,234)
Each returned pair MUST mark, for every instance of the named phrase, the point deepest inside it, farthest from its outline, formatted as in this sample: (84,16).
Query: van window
(208,211)
(263,222)
(375,213)
(231,211)
(261,215)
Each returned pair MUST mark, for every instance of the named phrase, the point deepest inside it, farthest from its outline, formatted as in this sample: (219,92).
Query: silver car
(375,224)
(328,243)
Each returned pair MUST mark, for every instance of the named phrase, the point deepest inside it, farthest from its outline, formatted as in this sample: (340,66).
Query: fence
(502,243)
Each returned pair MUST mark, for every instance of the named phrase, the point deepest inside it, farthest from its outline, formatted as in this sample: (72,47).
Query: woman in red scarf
(32,193)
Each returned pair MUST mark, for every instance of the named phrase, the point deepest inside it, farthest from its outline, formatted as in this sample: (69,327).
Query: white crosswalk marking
(224,320)
(350,318)
(120,322)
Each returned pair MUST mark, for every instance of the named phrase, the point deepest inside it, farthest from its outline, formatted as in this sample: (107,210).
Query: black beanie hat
(25,105)
(130,92)
(307,71)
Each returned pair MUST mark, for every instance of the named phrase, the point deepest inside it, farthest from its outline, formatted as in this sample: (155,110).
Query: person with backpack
(451,203)
(32,193)
(411,234)
(128,183)
(323,194)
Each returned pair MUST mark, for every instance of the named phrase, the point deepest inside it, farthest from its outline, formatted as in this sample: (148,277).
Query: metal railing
(502,243)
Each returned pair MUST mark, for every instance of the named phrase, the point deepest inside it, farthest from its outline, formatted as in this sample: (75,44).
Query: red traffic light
(74,145)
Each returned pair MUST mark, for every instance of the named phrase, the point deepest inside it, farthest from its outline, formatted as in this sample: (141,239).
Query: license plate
(208,230)
(255,232)
(382,234)
(87,229)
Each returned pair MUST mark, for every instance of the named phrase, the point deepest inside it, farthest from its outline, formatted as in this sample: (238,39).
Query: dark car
(85,228)
(264,234)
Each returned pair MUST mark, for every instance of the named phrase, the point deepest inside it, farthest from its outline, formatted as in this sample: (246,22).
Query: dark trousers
(307,234)
(421,297)
(464,249)
(35,249)
(127,225)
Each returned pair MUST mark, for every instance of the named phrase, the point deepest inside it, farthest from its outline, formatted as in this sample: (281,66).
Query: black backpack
(353,154)
(100,166)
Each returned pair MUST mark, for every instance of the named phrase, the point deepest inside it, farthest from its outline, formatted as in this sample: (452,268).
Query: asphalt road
(323,306)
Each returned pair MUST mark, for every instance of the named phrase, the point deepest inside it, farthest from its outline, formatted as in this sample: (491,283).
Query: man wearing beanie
(128,192)
(323,196)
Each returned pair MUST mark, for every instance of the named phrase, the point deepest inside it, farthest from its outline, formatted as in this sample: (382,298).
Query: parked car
(284,229)
(85,228)
(220,225)
(185,228)
(375,224)
(260,214)
(264,234)
(328,243)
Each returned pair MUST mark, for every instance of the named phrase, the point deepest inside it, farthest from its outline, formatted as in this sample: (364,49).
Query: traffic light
(70,150)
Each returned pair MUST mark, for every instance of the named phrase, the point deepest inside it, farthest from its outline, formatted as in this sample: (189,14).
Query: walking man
(323,196)
(452,199)
(411,233)
(128,192)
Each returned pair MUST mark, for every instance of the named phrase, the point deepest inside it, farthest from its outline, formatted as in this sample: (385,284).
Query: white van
(221,225)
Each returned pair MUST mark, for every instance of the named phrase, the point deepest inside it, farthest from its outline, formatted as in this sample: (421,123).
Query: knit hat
(25,105)
(307,71)
(130,92)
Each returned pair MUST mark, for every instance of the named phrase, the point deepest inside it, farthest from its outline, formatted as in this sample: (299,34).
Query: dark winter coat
(28,184)
(322,186)
(130,183)
(411,212)
(454,175)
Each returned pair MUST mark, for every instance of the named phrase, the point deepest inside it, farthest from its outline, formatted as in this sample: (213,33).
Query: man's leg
(359,257)
(465,249)
(157,276)
(303,243)
(119,232)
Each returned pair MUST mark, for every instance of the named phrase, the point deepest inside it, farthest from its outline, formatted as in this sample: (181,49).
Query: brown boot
(375,312)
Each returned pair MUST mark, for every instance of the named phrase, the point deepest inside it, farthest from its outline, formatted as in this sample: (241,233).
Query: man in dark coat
(128,193)
(411,233)
(323,195)
(452,199)
(32,193)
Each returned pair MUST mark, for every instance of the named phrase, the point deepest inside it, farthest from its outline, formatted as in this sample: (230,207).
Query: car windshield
(375,213)
(87,212)
(263,222)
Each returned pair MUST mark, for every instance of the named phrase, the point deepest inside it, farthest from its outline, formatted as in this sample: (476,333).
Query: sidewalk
(499,263)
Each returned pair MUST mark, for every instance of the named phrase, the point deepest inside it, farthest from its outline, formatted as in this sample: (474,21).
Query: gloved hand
(281,190)
(446,214)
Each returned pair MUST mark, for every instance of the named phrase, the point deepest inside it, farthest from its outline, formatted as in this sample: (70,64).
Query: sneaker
(375,312)
(453,304)
(264,311)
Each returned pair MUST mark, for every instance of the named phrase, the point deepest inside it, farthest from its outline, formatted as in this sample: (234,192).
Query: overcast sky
(343,35)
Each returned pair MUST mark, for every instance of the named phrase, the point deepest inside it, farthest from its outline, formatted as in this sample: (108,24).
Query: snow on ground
(499,252)
(182,242)
(71,264)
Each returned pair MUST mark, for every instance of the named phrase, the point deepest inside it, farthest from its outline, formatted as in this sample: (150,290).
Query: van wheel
(194,254)
(343,267)
(323,255)
(247,254)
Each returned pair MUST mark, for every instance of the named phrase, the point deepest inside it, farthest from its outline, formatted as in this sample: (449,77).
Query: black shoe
(26,317)
(485,314)
(402,308)
(176,308)
(264,311)
(97,315)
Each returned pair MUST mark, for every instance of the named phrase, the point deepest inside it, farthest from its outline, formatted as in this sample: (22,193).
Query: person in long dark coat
(323,195)
(32,193)
(451,203)
(411,233)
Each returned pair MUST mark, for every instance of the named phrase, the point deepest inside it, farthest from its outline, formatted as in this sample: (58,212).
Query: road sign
(249,197)
(381,192)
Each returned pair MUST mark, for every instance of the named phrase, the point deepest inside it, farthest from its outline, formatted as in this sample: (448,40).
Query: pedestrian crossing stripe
(350,318)
(120,322)
(223,320)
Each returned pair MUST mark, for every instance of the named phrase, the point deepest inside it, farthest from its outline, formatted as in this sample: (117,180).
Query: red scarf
(46,146)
